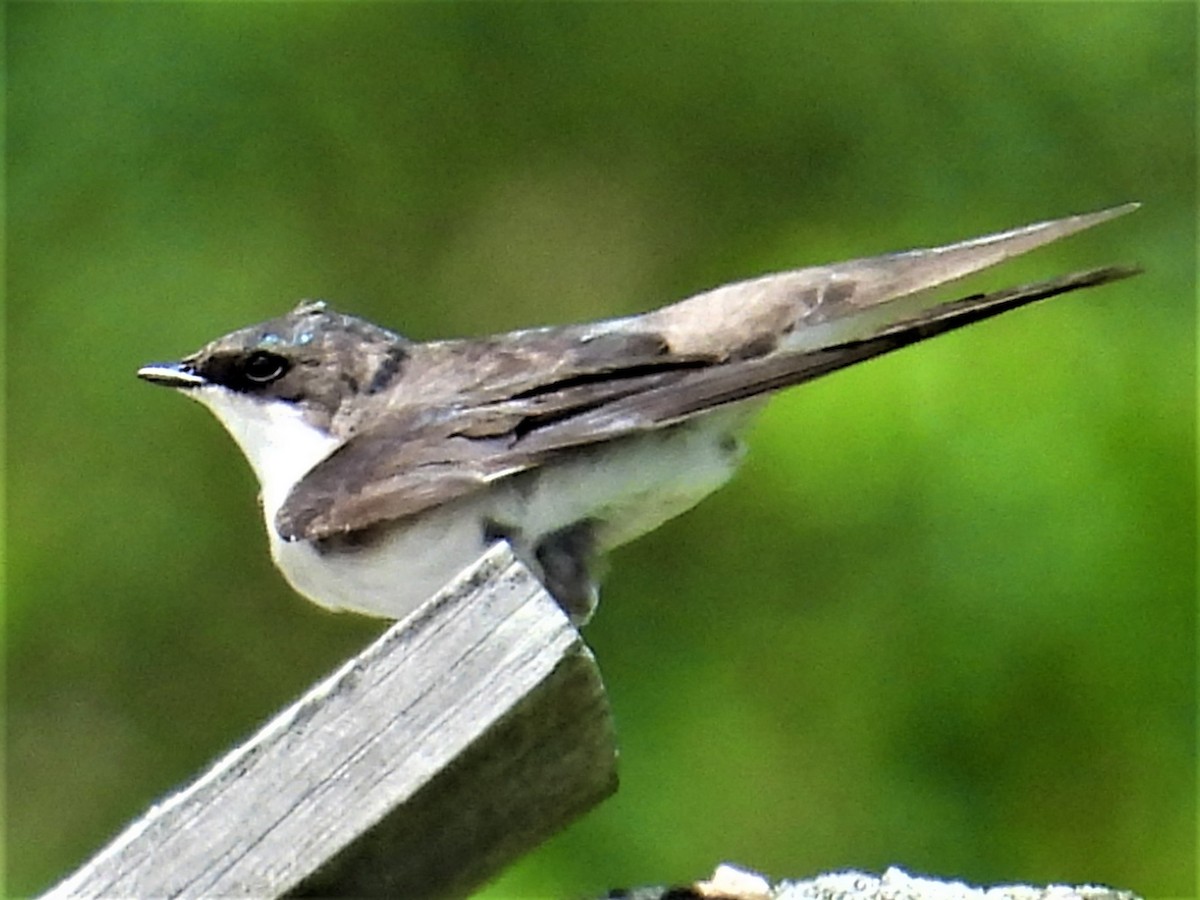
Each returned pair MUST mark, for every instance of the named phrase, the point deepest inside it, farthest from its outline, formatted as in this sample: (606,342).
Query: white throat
(280,445)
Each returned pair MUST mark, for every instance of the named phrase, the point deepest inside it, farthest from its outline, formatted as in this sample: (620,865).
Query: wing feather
(417,460)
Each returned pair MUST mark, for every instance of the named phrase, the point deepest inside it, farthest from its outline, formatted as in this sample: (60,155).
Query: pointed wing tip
(1022,240)
(1111,212)
(1060,228)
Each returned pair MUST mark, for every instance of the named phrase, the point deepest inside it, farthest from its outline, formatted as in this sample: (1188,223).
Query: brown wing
(417,460)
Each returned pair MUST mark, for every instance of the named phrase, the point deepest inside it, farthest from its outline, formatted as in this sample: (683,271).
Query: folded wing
(422,457)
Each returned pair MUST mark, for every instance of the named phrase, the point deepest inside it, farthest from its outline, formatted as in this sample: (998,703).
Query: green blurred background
(945,617)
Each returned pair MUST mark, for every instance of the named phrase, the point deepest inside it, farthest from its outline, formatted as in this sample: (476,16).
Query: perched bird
(388,465)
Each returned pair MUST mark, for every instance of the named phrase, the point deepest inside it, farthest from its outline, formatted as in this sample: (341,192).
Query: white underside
(632,486)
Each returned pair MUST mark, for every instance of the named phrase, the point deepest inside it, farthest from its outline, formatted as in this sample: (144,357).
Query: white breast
(280,445)
(631,486)
(388,578)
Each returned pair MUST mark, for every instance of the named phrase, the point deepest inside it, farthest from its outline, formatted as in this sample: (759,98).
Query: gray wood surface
(459,740)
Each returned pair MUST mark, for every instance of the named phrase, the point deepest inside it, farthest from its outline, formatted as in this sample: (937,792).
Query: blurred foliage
(944,618)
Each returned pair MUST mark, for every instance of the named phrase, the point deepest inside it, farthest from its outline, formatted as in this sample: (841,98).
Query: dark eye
(262,367)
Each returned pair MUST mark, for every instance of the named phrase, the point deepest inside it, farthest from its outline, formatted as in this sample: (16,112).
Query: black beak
(176,375)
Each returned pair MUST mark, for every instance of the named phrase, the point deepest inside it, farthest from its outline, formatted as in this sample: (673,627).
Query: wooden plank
(459,740)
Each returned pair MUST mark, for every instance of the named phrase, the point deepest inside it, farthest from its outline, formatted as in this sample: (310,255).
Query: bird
(388,465)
